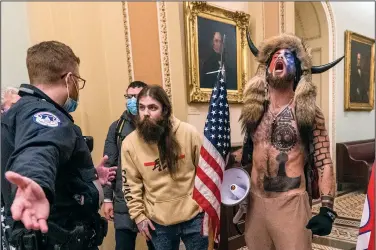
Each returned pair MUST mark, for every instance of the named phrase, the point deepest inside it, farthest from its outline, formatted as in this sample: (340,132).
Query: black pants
(126,240)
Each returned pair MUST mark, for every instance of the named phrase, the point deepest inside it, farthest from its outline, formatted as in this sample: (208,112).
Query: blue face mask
(70,105)
(132,105)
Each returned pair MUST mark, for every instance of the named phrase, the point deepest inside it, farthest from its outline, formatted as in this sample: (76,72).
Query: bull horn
(323,68)
(252,47)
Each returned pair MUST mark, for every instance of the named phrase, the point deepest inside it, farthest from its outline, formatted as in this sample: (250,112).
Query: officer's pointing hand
(105,175)
(30,204)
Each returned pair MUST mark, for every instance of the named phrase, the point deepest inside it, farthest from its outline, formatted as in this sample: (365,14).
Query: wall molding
(332,75)
(128,44)
(263,20)
(282,18)
(163,40)
(298,17)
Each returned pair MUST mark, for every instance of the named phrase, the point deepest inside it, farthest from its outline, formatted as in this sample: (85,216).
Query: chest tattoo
(283,137)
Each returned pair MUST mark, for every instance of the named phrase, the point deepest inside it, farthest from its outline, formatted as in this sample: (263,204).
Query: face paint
(281,70)
(282,63)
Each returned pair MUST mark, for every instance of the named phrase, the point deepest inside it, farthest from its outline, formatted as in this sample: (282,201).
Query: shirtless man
(285,140)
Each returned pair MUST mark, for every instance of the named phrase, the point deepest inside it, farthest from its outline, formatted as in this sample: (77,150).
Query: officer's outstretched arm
(44,140)
(30,204)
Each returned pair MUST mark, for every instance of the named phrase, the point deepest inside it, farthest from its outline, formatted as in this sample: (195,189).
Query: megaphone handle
(238,229)
(239,214)
(242,210)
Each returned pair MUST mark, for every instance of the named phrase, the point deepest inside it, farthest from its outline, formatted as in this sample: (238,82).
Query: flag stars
(217,125)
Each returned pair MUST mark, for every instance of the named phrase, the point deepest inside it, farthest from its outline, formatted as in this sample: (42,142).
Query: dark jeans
(126,240)
(168,237)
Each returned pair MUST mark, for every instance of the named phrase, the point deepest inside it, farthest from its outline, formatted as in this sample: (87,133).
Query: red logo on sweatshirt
(157,164)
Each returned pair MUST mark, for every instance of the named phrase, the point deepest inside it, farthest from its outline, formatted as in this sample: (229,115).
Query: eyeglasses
(80,81)
(130,96)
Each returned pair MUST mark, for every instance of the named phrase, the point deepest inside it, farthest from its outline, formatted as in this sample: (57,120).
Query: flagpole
(211,237)
(211,234)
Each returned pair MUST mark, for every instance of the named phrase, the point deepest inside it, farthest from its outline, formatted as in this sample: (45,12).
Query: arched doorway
(314,23)
(311,24)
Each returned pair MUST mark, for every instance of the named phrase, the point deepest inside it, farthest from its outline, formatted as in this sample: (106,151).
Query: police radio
(89,142)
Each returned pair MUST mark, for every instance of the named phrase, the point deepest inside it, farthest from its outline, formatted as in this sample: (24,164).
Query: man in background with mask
(114,206)
(50,185)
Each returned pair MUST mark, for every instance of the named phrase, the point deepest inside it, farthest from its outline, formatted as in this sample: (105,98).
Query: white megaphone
(235,188)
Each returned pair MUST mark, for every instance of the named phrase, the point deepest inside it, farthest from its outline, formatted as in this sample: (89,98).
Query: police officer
(53,191)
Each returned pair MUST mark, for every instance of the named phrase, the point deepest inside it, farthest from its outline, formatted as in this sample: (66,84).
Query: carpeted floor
(349,207)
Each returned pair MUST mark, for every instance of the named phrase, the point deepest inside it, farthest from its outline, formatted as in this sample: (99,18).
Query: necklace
(283,109)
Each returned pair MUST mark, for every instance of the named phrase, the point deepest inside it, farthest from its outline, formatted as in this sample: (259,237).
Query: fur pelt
(255,99)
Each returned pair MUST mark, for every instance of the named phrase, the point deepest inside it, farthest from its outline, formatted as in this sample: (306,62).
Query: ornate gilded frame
(240,20)
(352,36)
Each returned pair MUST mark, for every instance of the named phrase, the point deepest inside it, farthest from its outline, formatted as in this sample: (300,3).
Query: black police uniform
(41,141)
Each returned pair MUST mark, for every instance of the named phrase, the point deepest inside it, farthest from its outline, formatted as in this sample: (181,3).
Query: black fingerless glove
(321,224)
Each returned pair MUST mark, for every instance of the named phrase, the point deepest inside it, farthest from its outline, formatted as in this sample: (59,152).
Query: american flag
(213,157)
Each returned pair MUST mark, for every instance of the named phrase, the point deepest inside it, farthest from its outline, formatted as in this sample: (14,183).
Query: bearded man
(287,146)
(159,162)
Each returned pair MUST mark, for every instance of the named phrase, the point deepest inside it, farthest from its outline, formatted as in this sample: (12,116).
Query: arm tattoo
(327,201)
(323,161)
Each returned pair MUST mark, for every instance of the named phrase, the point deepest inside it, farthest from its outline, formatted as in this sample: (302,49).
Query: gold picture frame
(359,72)
(214,20)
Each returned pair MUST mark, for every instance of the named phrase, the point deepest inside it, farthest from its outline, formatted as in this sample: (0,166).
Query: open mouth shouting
(279,66)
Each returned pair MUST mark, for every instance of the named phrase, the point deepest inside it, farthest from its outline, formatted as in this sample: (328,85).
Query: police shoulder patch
(46,119)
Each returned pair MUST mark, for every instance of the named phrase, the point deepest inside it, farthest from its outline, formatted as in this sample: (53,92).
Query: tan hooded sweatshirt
(149,191)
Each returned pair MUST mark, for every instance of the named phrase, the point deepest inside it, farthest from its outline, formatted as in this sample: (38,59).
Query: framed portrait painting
(214,35)
(359,72)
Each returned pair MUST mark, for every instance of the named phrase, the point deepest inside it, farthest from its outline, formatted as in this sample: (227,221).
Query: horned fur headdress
(255,99)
